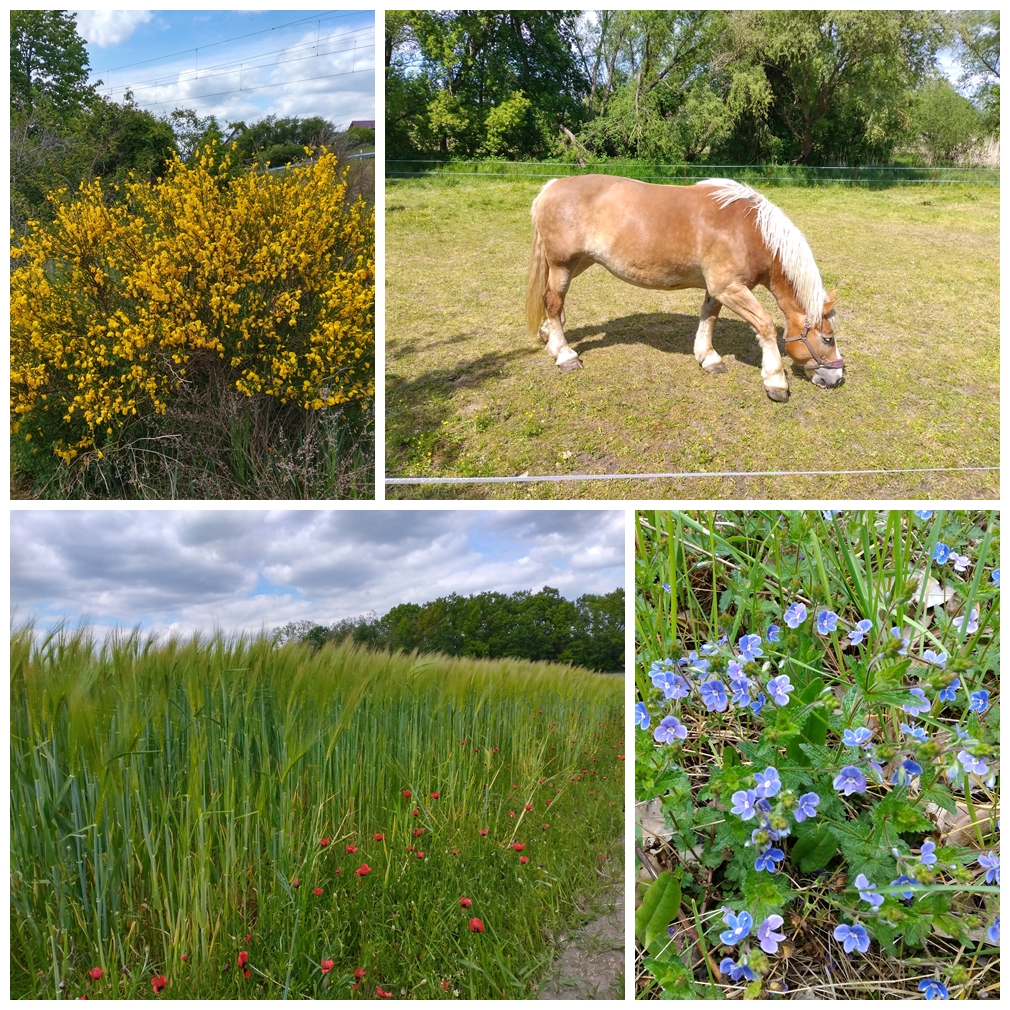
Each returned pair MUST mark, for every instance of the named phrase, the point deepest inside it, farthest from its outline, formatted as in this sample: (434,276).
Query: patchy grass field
(468,393)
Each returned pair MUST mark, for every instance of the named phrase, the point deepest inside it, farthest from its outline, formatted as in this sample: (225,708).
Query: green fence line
(871,176)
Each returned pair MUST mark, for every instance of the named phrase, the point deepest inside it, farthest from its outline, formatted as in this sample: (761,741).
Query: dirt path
(591,963)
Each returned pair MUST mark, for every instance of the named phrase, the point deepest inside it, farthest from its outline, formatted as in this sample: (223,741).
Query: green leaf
(897,810)
(658,909)
(951,925)
(815,849)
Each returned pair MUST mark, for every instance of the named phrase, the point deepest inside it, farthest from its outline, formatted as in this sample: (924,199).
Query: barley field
(225,818)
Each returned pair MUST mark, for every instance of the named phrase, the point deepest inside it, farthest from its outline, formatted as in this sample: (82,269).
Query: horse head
(812,345)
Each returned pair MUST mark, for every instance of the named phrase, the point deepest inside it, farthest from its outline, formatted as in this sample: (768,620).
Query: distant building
(362,124)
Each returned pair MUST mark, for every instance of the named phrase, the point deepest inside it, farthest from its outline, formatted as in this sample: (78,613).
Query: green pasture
(175,804)
(469,393)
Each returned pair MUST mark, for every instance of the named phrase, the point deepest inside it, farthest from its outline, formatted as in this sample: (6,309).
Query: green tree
(976,47)
(946,123)
(49,62)
(837,77)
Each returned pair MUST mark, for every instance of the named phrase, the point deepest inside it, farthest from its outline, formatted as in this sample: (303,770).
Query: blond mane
(783,239)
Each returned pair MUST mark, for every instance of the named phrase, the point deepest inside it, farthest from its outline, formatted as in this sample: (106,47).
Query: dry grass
(469,393)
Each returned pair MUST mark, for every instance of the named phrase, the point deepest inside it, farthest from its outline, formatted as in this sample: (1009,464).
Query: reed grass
(169,799)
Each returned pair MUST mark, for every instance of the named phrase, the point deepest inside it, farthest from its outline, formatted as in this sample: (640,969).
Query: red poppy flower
(455,852)
(359,973)
(243,958)
(524,860)
(340,871)
(317,891)
(296,883)
(519,846)
(529,806)
(415,811)
(420,855)
(326,967)
(435,796)
(515,787)
(591,793)
(482,831)
(350,848)
(407,793)
(363,870)
(96,973)
(445,985)
(418,832)
(183,958)
(620,757)
(512,813)
(545,827)
(379,838)
(85,996)
(602,856)
(381,993)
(476,926)
(158,983)
(547,803)
(465,902)
(248,937)
(323,842)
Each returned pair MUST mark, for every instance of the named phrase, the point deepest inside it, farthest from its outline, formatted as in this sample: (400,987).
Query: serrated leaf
(659,908)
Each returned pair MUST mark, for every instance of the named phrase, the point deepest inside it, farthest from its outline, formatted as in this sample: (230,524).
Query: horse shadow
(671,332)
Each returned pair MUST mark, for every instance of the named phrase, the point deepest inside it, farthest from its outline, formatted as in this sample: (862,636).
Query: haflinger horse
(718,235)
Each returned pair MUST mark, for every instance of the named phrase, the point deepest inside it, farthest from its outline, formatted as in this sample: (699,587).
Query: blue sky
(186,570)
(237,65)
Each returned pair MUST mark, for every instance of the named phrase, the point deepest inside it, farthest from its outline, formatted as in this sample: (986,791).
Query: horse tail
(536,277)
(536,283)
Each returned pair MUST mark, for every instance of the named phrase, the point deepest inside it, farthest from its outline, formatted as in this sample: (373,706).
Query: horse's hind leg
(553,330)
(704,352)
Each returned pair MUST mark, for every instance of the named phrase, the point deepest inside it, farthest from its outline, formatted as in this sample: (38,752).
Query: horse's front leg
(553,330)
(773,374)
(704,353)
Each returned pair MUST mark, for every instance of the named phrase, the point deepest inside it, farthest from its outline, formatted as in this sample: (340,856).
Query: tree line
(64,132)
(729,87)
(543,626)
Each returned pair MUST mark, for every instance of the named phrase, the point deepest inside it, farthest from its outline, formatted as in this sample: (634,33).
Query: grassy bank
(470,394)
(175,805)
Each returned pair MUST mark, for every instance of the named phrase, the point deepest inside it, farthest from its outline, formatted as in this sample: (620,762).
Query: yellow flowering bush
(116,305)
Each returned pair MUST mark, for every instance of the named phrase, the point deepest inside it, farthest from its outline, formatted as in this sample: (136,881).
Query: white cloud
(109,28)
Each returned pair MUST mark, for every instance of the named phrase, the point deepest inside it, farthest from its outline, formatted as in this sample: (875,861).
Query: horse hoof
(570,365)
(778,395)
(717,369)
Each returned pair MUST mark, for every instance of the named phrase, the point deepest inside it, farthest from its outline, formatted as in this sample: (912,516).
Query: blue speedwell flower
(768,859)
(993,931)
(767,783)
(933,989)
(673,685)
(694,662)
(772,634)
(861,629)
(906,771)
(938,659)
(739,927)
(990,863)
(972,621)
(758,703)
(949,693)
(978,701)
(924,513)
(740,687)
(994,578)
(827,621)
(642,717)
(743,804)
(767,936)
(750,648)
(972,764)
(940,553)
(669,730)
(919,732)
(904,879)
(915,707)
(779,688)
(795,615)
(850,780)
(830,514)
(856,737)
(867,891)
(927,853)
(806,806)
(736,971)
(959,561)
(713,695)
(903,651)
(852,938)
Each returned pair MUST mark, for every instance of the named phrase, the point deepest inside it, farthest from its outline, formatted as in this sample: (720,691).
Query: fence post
(685,173)
(932,184)
(855,181)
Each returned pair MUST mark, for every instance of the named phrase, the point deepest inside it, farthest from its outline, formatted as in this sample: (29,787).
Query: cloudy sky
(189,570)
(237,65)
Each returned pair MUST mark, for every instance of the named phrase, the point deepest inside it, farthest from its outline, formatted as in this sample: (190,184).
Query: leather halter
(837,363)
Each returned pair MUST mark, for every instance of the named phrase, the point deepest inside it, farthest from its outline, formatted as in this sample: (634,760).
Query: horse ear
(832,297)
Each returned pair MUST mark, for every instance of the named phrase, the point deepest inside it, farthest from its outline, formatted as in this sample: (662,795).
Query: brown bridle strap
(837,363)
